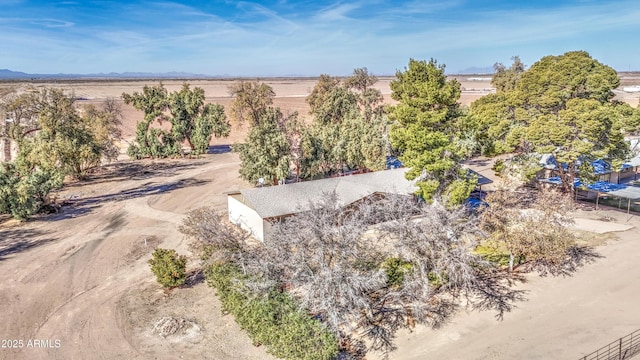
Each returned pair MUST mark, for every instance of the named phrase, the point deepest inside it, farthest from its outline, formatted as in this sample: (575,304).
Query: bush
(272,320)
(169,267)
(498,166)
(496,256)
(23,192)
(396,269)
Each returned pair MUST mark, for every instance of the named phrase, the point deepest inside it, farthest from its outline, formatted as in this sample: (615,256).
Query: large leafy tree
(505,79)
(60,138)
(250,100)
(54,139)
(562,105)
(105,122)
(152,142)
(369,98)
(192,121)
(23,192)
(323,87)
(348,129)
(266,153)
(423,129)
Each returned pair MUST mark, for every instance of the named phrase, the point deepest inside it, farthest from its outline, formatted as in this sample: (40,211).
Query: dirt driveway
(78,281)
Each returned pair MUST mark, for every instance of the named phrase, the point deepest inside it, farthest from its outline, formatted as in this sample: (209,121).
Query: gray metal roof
(288,199)
(630,192)
(634,161)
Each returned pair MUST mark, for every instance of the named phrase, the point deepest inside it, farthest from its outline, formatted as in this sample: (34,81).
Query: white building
(254,209)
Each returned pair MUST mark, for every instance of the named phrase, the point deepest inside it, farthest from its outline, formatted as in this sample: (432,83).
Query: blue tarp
(556,181)
(599,166)
(599,186)
(393,162)
(603,186)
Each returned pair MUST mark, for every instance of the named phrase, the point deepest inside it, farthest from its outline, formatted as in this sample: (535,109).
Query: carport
(603,188)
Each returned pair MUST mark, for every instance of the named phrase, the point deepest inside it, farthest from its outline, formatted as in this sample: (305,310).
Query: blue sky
(280,37)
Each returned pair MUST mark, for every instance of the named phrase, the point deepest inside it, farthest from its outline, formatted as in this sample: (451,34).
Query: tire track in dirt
(72,293)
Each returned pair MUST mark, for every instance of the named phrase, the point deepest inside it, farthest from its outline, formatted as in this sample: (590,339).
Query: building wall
(245,216)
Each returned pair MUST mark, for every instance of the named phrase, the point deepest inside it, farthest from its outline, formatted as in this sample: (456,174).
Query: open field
(81,276)
(290,95)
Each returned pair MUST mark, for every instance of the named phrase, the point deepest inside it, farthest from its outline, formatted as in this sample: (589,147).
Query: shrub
(498,166)
(396,269)
(272,320)
(169,267)
(24,192)
(492,254)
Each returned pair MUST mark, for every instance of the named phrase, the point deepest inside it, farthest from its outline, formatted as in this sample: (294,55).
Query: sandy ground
(81,277)
(80,280)
(562,317)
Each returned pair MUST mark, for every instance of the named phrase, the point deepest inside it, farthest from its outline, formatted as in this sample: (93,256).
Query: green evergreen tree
(423,128)
(562,105)
(168,267)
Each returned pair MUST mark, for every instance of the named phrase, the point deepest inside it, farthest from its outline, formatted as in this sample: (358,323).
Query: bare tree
(370,268)
(533,228)
(214,238)
(333,260)
(444,274)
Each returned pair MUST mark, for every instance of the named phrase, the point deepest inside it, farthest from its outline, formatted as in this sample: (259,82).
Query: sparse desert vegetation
(81,275)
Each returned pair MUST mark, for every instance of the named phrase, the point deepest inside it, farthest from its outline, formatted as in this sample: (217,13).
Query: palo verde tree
(423,130)
(562,105)
(192,121)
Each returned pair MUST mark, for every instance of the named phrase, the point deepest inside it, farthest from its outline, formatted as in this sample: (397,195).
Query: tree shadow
(136,170)
(194,277)
(219,149)
(81,206)
(478,162)
(18,239)
(576,257)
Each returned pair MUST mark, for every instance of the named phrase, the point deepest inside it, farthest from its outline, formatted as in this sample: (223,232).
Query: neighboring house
(255,209)
(602,169)
(618,183)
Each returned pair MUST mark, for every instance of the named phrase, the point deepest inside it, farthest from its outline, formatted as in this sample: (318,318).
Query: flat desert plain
(76,285)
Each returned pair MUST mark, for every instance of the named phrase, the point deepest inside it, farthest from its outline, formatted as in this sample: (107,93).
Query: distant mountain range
(6,74)
(477,70)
